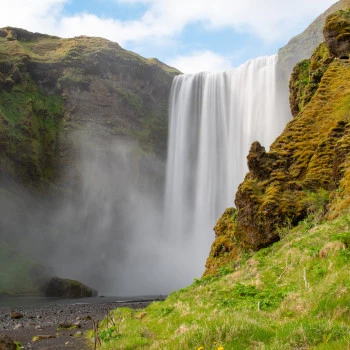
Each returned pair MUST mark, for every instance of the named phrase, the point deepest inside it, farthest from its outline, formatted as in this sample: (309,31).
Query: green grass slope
(294,294)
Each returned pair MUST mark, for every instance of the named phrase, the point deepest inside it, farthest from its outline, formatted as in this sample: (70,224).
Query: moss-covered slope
(306,171)
(51,86)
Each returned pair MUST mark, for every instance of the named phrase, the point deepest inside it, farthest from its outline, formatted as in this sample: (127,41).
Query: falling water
(214,118)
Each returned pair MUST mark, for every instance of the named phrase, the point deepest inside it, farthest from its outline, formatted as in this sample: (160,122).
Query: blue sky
(197,35)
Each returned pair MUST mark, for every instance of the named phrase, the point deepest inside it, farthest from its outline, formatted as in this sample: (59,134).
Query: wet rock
(43,337)
(16,315)
(6,343)
(69,325)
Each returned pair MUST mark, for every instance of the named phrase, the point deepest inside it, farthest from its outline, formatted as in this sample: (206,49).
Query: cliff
(51,87)
(305,175)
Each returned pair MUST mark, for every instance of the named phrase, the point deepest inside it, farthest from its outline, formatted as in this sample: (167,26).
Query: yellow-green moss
(224,248)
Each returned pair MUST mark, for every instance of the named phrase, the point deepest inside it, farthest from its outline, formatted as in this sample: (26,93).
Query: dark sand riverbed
(42,316)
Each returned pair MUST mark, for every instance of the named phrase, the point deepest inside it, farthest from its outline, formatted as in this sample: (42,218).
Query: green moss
(153,133)
(30,126)
(339,21)
(306,77)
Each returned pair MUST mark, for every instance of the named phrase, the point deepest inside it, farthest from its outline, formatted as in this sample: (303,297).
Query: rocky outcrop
(66,288)
(306,173)
(337,34)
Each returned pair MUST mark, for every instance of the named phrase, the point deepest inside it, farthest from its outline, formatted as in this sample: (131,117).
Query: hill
(51,87)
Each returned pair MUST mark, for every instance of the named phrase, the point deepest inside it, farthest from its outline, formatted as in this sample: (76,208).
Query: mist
(125,223)
(107,229)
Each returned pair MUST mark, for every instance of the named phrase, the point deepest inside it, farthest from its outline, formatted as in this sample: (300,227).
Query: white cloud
(270,20)
(205,61)
(35,15)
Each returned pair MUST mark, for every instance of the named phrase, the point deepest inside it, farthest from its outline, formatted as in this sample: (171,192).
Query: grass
(293,294)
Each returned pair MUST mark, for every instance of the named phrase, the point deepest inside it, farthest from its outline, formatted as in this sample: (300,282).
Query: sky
(191,35)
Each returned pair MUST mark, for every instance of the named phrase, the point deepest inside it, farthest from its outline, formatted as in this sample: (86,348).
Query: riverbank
(43,320)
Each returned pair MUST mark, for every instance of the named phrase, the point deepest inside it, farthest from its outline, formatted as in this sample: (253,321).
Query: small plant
(283,230)
(111,333)
(316,204)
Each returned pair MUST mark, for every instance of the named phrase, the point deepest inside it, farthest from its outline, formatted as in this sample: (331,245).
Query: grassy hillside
(294,294)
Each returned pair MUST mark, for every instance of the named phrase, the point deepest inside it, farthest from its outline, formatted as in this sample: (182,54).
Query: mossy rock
(337,33)
(224,248)
(66,288)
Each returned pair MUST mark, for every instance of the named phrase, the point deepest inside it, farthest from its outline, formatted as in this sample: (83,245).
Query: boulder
(337,34)
(16,315)
(66,288)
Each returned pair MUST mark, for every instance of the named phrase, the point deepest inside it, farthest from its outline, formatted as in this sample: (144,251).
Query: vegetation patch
(286,296)
(30,125)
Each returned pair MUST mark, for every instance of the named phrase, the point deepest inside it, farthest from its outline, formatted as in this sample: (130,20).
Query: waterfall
(214,118)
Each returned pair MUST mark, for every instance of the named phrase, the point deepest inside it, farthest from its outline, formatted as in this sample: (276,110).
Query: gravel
(42,322)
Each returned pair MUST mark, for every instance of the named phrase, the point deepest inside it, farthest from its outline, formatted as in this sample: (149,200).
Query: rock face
(337,34)
(306,173)
(66,288)
(51,87)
